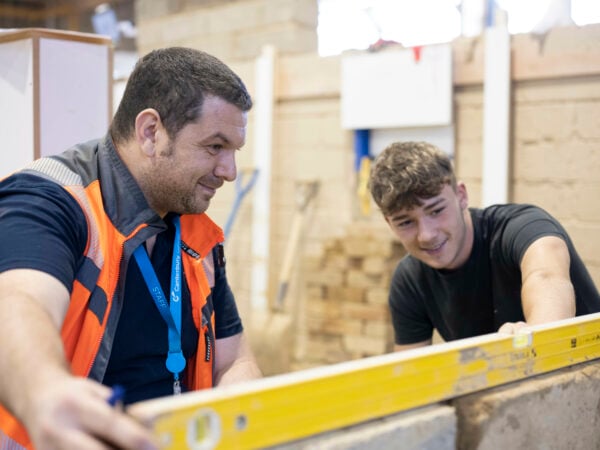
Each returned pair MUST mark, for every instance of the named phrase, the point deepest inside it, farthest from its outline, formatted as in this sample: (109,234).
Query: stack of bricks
(346,297)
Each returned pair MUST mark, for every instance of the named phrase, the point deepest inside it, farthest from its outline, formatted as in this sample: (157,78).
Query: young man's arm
(402,347)
(36,385)
(547,293)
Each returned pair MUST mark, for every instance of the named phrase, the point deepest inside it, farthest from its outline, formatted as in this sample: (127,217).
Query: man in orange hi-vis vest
(111,273)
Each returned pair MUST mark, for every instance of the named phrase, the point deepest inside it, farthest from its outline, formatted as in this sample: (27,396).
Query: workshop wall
(555,135)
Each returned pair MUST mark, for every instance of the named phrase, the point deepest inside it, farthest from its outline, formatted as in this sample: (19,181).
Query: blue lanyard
(171,312)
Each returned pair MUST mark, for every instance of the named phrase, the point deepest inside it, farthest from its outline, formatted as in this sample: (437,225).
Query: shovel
(272,334)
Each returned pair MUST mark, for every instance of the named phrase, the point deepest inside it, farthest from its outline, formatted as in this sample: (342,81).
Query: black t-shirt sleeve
(43,228)
(227,319)
(523,228)
(409,315)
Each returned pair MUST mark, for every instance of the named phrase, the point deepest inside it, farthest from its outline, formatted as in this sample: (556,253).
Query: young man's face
(437,232)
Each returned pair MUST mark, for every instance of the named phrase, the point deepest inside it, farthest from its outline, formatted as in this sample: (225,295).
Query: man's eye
(437,211)
(403,224)
(215,147)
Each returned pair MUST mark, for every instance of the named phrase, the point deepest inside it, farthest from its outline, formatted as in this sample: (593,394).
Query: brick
(358,278)
(378,295)
(378,330)
(361,346)
(374,265)
(365,311)
(323,309)
(315,292)
(339,262)
(325,349)
(325,278)
(338,327)
(346,294)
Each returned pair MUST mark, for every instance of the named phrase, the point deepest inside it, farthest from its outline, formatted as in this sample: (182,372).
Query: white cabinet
(55,91)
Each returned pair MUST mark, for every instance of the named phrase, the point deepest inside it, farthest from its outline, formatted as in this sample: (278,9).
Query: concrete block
(469,121)
(543,121)
(572,201)
(587,119)
(564,89)
(309,75)
(584,237)
(430,428)
(304,12)
(287,38)
(557,411)
(468,159)
(149,9)
(558,161)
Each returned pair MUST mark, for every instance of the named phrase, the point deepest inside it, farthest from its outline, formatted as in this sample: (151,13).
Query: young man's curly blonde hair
(407,172)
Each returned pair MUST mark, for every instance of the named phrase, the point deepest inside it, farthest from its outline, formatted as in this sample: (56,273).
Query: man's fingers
(511,327)
(120,430)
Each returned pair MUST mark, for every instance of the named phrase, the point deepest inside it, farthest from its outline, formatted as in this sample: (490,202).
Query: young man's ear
(461,193)
(147,125)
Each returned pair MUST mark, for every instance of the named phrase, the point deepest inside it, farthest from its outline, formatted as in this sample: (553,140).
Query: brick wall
(555,144)
(346,315)
(231,30)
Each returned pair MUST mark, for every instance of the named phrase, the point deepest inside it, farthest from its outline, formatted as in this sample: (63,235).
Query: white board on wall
(16,107)
(74,82)
(391,88)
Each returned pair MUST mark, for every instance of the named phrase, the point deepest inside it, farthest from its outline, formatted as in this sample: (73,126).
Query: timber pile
(346,297)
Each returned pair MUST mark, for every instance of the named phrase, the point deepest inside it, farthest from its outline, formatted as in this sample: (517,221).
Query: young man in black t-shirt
(470,271)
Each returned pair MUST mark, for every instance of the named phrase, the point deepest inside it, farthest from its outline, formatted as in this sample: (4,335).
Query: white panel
(392,89)
(496,116)
(16,105)
(74,93)
(442,137)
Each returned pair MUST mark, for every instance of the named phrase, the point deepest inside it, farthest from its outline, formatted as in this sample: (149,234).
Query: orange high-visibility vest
(115,230)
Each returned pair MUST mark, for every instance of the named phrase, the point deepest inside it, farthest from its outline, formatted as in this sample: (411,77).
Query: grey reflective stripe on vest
(7,443)
(88,272)
(208,264)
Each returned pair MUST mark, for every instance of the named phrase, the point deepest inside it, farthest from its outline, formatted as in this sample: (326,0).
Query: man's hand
(511,327)
(74,413)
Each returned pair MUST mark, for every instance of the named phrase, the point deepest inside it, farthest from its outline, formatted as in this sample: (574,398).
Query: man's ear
(461,193)
(147,125)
